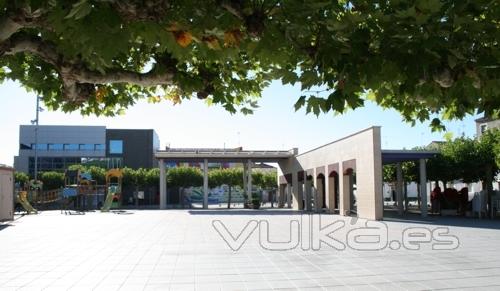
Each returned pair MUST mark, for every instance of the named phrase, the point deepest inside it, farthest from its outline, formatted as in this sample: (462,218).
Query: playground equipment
(22,198)
(80,191)
(31,192)
(114,186)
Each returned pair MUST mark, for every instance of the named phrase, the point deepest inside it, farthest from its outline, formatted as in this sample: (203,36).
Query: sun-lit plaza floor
(181,250)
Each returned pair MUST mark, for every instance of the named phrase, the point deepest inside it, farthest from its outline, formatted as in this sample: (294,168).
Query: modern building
(61,146)
(484,123)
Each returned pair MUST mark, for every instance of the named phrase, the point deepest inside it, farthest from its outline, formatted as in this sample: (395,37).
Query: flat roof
(6,168)
(221,155)
(397,156)
(240,155)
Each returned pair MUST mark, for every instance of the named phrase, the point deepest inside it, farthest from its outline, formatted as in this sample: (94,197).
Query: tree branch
(233,10)
(20,43)
(151,78)
(22,18)
(78,81)
(8,27)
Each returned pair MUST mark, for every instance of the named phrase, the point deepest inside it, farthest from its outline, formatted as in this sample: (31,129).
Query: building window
(56,146)
(40,146)
(70,147)
(483,127)
(99,147)
(86,147)
(23,146)
(116,146)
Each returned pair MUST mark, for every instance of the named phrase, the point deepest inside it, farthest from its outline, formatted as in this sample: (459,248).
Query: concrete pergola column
(281,195)
(423,188)
(249,180)
(205,184)
(308,193)
(330,193)
(399,187)
(288,195)
(319,195)
(296,195)
(344,192)
(163,185)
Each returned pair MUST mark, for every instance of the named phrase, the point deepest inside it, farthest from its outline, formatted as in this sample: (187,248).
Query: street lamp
(35,122)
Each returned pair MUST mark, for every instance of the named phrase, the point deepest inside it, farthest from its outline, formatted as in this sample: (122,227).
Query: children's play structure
(80,193)
(32,192)
(114,186)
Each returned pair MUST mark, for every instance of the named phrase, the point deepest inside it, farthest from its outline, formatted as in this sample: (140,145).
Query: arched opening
(321,193)
(333,191)
(350,191)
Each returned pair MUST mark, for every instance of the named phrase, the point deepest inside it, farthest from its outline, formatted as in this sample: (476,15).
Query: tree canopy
(466,159)
(420,57)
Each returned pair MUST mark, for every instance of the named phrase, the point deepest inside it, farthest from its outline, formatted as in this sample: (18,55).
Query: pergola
(399,156)
(215,155)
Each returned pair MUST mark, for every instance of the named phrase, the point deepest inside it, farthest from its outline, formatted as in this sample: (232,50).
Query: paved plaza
(181,250)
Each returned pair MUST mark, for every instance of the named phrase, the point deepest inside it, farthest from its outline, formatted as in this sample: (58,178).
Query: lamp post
(38,109)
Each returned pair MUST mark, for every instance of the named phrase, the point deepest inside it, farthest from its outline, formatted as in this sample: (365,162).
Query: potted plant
(255,203)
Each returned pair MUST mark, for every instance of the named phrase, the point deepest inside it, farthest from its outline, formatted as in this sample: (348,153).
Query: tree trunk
(229,198)
(181,198)
(136,196)
(419,195)
(489,189)
(405,191)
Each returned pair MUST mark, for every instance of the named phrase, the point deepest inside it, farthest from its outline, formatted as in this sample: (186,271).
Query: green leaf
(300,103)
(80,10)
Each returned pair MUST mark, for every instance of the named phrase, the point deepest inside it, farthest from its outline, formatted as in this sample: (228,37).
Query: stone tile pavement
(181,250)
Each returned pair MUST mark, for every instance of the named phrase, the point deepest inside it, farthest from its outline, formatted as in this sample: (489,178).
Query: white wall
(365,148)
(6,193)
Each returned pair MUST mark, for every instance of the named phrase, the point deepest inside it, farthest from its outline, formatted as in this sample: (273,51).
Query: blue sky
(275,125)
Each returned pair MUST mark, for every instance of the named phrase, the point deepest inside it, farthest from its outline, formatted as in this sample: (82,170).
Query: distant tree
(441,168)
(231,177)
(270,180)
(21,178)
(141,177)
(389,173)
(98,174)
(487,156)
(257,178)
(129,177)
(52,180)
(153,177)
(468,160)
(184,177)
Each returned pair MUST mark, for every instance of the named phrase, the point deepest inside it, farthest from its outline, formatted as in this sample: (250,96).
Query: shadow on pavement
(456,221)
(244,212)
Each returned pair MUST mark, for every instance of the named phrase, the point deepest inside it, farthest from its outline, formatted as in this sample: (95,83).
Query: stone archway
(349,192)
(321,193)
(333,191)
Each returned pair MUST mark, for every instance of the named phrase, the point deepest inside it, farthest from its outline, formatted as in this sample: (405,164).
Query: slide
(22,198)
(109,199)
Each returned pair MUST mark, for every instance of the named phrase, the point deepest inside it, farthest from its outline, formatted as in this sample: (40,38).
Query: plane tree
(232,177)
(426,59)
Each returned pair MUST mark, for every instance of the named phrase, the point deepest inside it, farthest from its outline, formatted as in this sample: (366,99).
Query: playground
(180,250)
(80,193)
